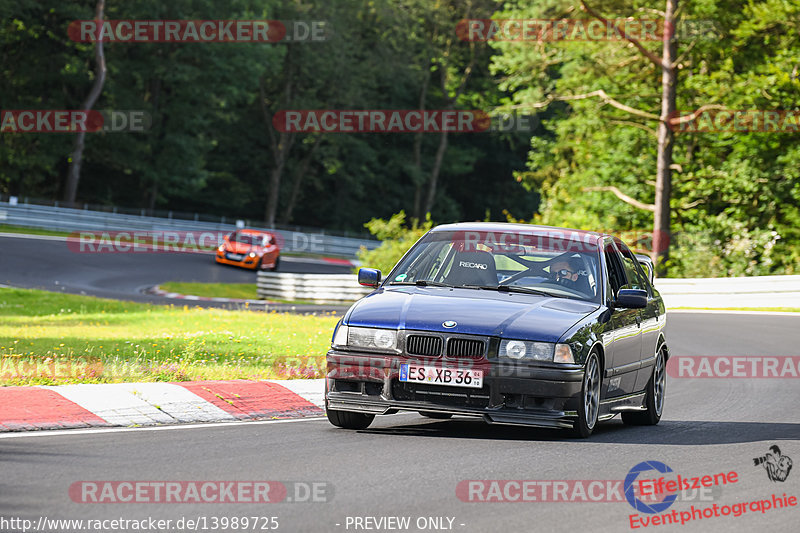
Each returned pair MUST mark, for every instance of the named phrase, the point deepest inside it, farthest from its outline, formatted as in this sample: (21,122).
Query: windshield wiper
(509,288)
(421,283)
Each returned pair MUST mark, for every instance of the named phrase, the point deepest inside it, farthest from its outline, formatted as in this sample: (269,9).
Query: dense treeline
(212,147)
(735,194)
(590,163)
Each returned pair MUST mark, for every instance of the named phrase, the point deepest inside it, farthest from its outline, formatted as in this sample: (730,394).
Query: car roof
(253,232)
(586,235)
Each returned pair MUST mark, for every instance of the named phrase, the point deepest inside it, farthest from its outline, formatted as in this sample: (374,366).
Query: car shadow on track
(674,432)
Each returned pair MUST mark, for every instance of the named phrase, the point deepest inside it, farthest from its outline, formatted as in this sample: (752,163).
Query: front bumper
(245,262)
(541,396)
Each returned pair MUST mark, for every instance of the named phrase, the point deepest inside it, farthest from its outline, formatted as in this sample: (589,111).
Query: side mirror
(370,277)
(631,298)
(647,265)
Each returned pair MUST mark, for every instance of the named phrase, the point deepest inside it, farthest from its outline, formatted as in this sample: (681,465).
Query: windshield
(246,238)
(516,262)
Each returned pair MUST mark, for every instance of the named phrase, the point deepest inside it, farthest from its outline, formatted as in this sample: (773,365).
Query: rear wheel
(438,416)
(654,401)
(589,404)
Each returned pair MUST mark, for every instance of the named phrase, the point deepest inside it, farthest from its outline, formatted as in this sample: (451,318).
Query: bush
(396,239)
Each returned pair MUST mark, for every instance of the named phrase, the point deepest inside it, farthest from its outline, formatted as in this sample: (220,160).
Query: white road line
(62,432)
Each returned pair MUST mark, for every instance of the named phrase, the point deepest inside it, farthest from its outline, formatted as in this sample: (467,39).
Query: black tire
(438,416)
(349,420)
(589,402)
(655,391)
(277,263)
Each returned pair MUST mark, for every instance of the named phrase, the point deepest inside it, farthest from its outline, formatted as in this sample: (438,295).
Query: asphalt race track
(47,263)
(408,466)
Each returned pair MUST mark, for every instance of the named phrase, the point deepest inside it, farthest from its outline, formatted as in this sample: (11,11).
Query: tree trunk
(74,173)
(280,146)
(437,166)
(423,94)
(298,180)
(666,138)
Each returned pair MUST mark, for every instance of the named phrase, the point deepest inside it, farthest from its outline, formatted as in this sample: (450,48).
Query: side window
(615,275)
(635,278)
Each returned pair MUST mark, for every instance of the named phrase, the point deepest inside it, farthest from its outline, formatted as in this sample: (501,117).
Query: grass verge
(243,291)
(4,228)
(51,338)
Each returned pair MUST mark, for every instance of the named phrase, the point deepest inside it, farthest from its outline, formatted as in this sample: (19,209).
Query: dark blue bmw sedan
(514,323)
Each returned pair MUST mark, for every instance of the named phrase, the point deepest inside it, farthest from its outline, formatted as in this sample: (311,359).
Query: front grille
(424,345)
(440,395)
(465,348)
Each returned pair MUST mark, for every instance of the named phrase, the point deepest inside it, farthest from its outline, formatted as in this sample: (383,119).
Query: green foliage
(397,238)
(735,197)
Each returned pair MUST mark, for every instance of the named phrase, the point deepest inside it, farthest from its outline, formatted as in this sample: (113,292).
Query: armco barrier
(317,288)
(758,291)
(755,291)
(67,219)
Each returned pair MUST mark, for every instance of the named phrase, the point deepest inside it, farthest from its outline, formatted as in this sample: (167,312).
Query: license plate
(235,257)
(453,377)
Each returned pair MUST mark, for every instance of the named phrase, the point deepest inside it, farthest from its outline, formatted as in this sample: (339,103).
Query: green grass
(766,309)
(244,291)
(51,338)
(5,228)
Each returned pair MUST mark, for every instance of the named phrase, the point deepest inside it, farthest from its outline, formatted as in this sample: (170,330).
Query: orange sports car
(249,248)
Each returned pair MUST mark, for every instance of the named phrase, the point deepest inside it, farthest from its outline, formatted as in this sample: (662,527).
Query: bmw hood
(475,312)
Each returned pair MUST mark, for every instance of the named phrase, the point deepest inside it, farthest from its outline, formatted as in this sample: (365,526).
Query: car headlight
(526,350)
(535,351)
(366,338)
(221,248)
(251,254)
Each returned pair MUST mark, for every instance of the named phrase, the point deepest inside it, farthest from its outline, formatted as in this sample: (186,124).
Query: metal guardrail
(754,291)
(74,220)
(697,293)
(317,288)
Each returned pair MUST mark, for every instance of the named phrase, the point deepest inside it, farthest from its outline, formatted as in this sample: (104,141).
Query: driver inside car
(568,271)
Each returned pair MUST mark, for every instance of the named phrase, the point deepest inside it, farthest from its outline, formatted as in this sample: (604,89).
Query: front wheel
(277,263)
(654,401)
(349,420)
(589,404)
